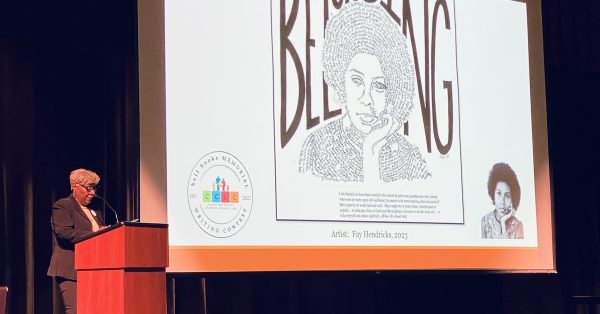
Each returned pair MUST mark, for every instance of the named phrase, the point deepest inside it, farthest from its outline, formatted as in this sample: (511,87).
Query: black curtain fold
(17,208)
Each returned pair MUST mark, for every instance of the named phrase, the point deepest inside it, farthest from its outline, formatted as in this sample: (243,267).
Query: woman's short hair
(360,27)
(83,177)
(502,172)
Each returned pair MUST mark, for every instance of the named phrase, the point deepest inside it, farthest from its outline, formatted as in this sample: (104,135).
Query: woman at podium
(71,221)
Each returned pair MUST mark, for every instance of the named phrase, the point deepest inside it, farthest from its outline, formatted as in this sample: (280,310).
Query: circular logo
(220,194)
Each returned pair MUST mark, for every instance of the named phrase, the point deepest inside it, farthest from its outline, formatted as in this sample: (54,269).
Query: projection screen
(346,135)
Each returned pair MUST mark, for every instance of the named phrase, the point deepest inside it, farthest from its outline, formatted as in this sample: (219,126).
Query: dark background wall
(68,99)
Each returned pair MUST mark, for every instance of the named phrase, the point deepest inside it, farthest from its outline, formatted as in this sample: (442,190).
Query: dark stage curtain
(572,54)
(68,91)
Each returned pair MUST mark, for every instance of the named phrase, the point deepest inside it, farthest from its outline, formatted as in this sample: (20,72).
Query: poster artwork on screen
(365,111)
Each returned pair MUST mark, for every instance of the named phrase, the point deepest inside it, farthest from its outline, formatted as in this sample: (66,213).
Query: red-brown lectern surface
(121,269)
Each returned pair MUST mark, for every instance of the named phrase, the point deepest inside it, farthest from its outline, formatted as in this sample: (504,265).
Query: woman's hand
(505,218)
(374,142)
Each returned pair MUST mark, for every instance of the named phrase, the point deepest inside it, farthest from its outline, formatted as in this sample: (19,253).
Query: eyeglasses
(88,188)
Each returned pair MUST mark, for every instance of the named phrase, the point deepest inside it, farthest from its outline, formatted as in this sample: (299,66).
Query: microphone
(107,204)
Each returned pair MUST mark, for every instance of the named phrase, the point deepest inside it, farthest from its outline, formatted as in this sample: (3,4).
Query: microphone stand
(107,204)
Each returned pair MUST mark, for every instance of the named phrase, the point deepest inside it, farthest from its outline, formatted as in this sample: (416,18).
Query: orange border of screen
(231,259)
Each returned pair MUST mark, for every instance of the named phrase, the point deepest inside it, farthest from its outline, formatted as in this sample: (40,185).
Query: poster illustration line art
(367,64)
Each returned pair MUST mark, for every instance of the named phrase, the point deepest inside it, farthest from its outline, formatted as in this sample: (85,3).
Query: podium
(121,269)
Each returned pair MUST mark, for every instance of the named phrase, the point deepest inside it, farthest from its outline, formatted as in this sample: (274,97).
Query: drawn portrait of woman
(367,64)
(505,192)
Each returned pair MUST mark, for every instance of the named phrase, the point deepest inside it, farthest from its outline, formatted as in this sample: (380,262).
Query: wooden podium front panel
(146,247)
(146,292)
(125,246)
(103,251)
(101,291)
(121,292)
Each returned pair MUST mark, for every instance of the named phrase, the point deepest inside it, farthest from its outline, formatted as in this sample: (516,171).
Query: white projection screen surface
(346,135)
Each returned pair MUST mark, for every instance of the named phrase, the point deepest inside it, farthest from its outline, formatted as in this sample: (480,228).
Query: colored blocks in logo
(225,197)
(220,197)
(216,197)
(207,196)
(234,197)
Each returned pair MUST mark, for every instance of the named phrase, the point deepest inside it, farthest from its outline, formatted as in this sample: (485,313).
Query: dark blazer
(69,224)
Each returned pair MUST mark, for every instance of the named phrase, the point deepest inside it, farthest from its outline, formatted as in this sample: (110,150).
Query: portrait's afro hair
(360,27)
(502,172)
